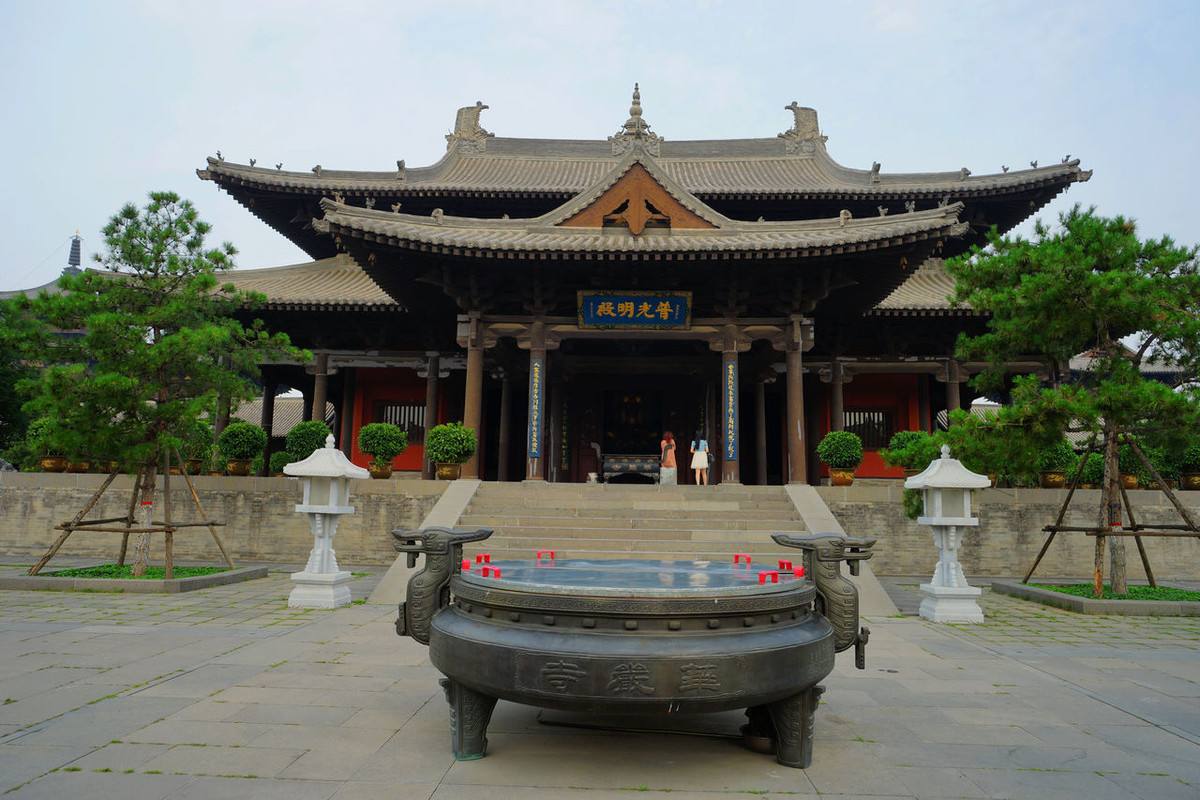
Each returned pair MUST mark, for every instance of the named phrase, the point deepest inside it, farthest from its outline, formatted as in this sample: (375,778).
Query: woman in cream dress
(700,459)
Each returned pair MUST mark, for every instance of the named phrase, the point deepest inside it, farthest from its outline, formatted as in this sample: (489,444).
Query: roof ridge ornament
(635,133)
(805,134)
(468,135)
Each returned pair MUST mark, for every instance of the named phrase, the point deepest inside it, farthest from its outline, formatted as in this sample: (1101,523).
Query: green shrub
(1058,457)
(197,439)
(1093,469)
(914,503)
(279,461)
(382,440)
(242,440)
(1127,461)
(1190,460)
(911,450)
(1162,462)
(840,450)
(451,443)
(39,438)
(306,437)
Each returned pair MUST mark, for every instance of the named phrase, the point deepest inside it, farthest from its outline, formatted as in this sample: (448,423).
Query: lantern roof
(325,462)
(947,473)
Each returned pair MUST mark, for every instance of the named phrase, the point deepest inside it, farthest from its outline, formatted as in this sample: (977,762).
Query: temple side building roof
(330,284)
(926,292)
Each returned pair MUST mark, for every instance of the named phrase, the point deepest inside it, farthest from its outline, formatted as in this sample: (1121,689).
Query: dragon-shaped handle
(838,596)
(429,589)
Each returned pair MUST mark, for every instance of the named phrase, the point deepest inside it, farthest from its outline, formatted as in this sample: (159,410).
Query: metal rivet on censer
(674,625)
(714,623)
(514,616)
(775,618)
(631,625)
(487,612)
(548,619)
(747,621)
(588,622)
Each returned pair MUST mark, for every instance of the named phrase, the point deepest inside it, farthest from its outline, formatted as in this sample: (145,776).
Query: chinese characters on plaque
(729,402)
(635,309)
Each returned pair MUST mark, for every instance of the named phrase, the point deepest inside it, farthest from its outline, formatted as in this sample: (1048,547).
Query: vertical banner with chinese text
(729,406)
(537,397)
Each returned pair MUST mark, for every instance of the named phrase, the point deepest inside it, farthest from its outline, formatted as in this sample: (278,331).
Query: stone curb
(1084,605)
(173,586)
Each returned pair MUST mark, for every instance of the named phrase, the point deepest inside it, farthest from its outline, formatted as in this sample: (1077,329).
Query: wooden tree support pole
(1098,571)
(133,497)
(1162,484)
(200,508)
(1137,539)
(69,528)
(169,544)
(1062,512)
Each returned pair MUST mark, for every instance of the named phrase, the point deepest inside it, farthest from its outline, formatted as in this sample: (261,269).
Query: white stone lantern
(945,486)
(326,476)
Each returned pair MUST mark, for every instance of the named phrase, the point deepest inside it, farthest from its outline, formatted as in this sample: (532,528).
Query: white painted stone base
(951,603)
(314,590)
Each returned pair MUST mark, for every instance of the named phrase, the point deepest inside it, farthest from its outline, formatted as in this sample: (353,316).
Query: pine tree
(1089,287)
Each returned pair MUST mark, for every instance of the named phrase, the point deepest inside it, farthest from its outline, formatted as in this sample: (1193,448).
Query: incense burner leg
(470,713)
(794,719)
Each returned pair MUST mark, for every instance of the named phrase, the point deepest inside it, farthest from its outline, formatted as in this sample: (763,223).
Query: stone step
(644,504)
(625,523)
(651,494)
(623,512)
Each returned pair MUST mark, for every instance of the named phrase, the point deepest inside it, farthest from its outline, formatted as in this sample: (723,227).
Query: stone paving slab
(185,696)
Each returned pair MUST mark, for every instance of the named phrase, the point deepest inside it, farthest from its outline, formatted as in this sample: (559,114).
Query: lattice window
(409,416)
(874,425)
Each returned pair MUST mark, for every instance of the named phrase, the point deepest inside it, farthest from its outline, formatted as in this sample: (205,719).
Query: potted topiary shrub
(1053,463)
(842,452)
(240,442)
(912,450)
(279,461)
(383,441)
(1093,471)
(1129,465)
(1189,467)
(197,442)
(38,437)
(449,446)
(306,437)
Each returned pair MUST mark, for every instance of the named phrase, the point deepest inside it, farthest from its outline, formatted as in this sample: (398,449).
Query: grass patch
(1135,592)
(360,601)
(125,572)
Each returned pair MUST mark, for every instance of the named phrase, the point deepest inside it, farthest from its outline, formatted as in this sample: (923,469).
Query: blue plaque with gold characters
(634,310)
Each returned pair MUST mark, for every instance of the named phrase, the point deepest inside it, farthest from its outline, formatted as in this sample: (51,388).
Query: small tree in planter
(279,461)
(1053,463)
(1129,466)
(912,450)
(384,441)
(240,442)
(842,452)
(197,443)
(38,438)
(303,439)
(1189,466)
(449,446)
(1093,470)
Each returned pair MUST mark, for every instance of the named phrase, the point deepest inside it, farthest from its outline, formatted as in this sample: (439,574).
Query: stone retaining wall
(260,523)
(1010,532)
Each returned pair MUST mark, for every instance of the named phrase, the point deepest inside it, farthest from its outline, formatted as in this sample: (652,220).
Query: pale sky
(107,101)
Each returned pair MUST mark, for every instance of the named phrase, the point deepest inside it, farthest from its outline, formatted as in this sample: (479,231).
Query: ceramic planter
(1129,481)
(448,472)
(52,464)
(1190,480)
(79,466)
(238,466)
(380,473)
(1053,479)
(840,477)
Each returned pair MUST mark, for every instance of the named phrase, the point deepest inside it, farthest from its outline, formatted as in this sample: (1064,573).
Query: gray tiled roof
(332,283)
(926,292)
(542,234)
(288,413)
(709,167)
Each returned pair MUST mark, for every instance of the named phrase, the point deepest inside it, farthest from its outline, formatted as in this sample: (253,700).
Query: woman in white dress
(700,458)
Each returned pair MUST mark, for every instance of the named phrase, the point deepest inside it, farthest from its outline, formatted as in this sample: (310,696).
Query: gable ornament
(468,135)
(805,134)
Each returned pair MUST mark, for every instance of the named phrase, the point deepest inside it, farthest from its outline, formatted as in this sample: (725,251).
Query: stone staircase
(632,521)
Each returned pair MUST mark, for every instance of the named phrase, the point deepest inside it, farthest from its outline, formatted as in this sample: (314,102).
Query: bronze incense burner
(632,636)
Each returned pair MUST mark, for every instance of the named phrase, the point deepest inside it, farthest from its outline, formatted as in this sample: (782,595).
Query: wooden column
(797,463)
(504,444)
(731,434)
(306,406)
(535,441)
(346,417)
(473,399)
(554,439)
(837,414)
(267,422)
(433,367)
(320,386)
(760,429)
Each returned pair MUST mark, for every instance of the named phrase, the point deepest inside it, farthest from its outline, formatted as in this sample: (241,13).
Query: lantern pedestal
(951,603)
(320,590)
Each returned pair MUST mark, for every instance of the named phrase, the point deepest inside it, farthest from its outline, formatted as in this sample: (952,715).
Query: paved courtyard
(226,693)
